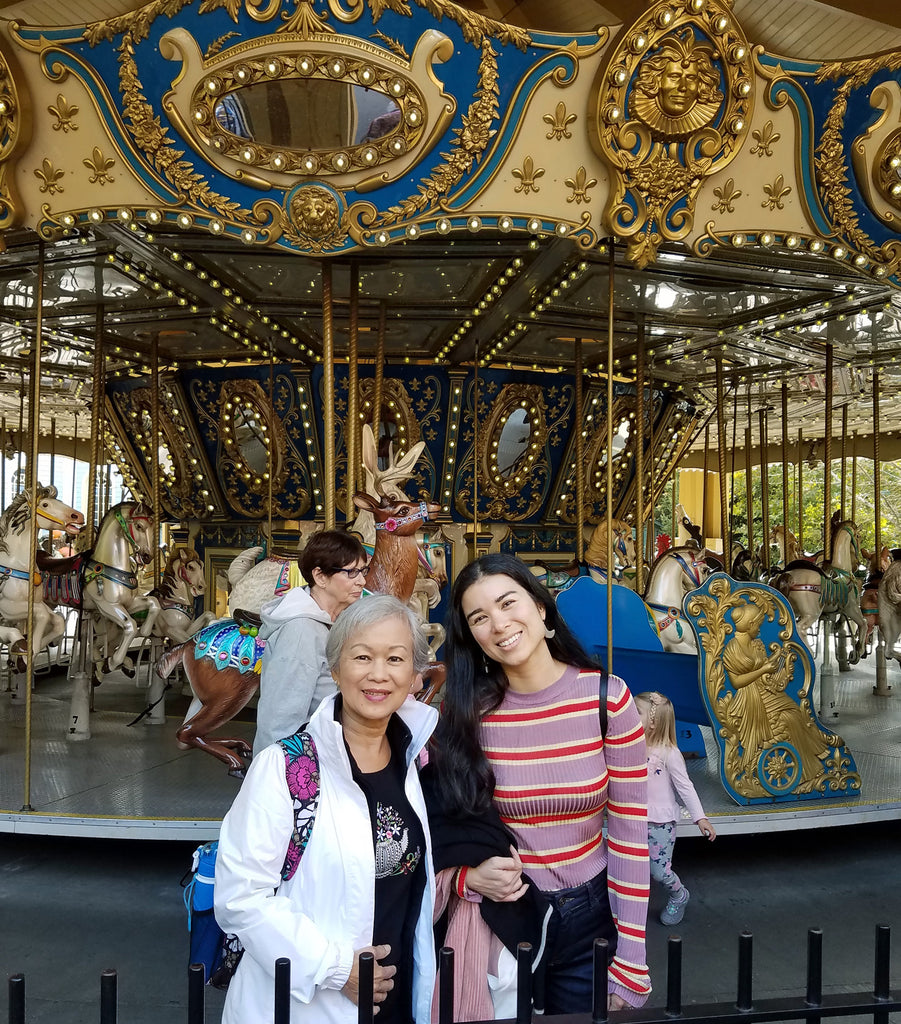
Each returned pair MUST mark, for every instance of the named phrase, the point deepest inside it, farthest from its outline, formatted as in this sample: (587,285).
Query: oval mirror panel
(307,114)
(513,442)
(250,435)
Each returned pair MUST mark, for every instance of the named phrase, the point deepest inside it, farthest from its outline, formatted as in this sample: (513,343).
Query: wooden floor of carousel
(134,782)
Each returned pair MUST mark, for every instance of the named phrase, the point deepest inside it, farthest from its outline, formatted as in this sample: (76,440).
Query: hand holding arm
(498,878)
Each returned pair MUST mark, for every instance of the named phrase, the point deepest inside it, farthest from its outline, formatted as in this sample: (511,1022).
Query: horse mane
(168,581)
(14,516)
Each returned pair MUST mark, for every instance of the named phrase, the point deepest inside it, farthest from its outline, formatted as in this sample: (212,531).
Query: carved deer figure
(395,557)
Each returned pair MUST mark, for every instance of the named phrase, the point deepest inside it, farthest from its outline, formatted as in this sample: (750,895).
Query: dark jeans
(580,915)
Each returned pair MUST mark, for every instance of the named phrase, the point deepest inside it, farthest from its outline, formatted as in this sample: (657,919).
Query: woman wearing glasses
(295,675)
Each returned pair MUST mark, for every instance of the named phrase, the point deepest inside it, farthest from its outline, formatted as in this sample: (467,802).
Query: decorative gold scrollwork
(253,436)
(672,108)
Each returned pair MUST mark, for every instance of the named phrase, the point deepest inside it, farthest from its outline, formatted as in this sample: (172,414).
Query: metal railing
(813,1006)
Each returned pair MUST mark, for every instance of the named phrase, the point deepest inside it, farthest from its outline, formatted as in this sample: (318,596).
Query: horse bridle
(127,525)
(692,570)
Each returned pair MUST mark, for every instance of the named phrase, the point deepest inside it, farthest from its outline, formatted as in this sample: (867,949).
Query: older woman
(364,882)
(524,736)
(295,676)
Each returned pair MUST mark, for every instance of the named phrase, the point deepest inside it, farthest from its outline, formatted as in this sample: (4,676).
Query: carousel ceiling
(186,299)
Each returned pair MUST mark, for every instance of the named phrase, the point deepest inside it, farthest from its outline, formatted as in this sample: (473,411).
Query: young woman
(364,881)
(521,732)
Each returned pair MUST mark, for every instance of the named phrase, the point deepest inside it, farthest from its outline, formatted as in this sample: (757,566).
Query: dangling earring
(549,633)
(485,663)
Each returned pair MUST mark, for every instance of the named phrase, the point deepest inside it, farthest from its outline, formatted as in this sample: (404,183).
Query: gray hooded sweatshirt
(295,675)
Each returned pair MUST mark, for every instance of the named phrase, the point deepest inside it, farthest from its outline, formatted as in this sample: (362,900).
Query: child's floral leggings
(661,840)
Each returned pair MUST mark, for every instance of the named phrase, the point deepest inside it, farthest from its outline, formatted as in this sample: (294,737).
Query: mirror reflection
(301,114)
(250,435)
(620,441)
(163,456)
(513,442)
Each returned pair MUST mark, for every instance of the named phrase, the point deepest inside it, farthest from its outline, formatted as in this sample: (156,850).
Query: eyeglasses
(352,574)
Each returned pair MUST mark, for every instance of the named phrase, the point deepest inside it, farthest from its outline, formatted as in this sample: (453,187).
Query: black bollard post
(524,983)
(282,1008)
(814,971)
(17,999)
(446,986)
(881,981)
(367,984)
(599,983)
(195,994)
(745,968)
(674,976)
(109,981)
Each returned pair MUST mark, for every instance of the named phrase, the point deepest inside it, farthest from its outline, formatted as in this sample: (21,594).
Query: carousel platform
(134,782)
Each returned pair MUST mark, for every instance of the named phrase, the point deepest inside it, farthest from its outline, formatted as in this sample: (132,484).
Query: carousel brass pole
(580,470)
(844,457)
(827,460)
(270,453)
(673,511)
(639,458)
(153,462)
(475,453)
(705,526)
(785,490)
(379,374)
(353,389)
(652,474)
(877,469)
(801,490)
(749,474)
(854,479)
(20,440)
(721,438)
(881,689)
(736,380)
(3,463)
(52,451)
(34,405)
(97,399)
(328,378)
(764,491)
(611,295)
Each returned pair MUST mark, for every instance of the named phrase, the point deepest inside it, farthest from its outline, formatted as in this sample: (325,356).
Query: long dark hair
(476,685)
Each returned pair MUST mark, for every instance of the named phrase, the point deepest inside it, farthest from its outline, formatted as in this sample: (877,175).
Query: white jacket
(295,676)
(321,916)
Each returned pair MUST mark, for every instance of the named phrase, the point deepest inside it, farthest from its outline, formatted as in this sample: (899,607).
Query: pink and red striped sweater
(555,779)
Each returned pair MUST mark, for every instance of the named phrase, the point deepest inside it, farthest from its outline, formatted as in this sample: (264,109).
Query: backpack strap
(302,776)
(602,703)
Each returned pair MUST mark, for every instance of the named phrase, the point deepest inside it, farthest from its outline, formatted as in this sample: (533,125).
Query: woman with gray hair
(364,881)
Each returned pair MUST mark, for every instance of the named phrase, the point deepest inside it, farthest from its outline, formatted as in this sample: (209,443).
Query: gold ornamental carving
(559,121)
(726,194)
(876,156)
(580,183)
(100,166)
(64,112)
(313,217)
(764,140)
(526,176)
(50,176)
(831,163)
(776,193)
(670,109)
(758,680)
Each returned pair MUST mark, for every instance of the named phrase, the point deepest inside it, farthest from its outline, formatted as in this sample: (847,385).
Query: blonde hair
(660,730)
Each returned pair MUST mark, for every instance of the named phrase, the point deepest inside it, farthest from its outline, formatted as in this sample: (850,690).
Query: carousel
(613,290)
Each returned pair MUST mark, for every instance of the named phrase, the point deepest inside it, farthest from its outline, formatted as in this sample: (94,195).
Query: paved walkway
(72,907)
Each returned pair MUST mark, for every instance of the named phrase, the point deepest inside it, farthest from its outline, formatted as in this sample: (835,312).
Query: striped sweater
(556,777)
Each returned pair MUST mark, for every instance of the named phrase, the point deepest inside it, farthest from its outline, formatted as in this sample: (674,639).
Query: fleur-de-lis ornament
(50,176)
(63,111)
(100,165)
(559,122)
(527,175)
(776,193)
(765,137)
(726,196)
(580,185)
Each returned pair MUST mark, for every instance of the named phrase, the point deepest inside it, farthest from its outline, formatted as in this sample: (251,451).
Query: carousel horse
(832,590)
(889,607)
(182,581)
(223,661)
(17,572)
(674,574)
(877,563)
(790,549)
(558,578)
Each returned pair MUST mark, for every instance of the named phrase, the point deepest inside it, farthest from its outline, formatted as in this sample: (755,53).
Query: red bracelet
(461,882)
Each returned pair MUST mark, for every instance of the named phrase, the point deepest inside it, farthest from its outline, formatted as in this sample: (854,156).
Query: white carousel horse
(815,592)
(674,574)
(889,605)
(790,549)
(182,581)
(18,573)
(877,563)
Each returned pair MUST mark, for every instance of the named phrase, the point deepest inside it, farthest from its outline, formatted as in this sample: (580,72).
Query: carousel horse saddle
(248,619)
(803,563)
(228,644)
(53,566)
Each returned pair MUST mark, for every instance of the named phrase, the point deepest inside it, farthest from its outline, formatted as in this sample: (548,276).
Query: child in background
(667,777)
